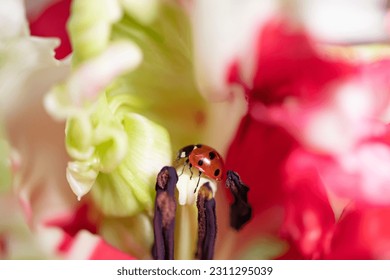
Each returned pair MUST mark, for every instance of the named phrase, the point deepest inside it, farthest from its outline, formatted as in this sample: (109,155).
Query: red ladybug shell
(207,160)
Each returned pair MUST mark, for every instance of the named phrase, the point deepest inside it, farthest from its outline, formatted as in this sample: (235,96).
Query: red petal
(103,251)
(52,23)
(72,223)
(289,65)
(309,218)
(362,233)
(86,245)
(257,154)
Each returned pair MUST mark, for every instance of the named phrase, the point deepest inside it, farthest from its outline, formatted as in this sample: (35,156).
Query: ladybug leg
(184,166)
(197,184)
(190,168)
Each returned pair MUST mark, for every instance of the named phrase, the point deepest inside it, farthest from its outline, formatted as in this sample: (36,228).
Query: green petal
(163,88)
(130,188)
(133,235)
(114,196)
(78,139)
(110,137)
(265,248)
(144,11)
(111,145)
(90,27)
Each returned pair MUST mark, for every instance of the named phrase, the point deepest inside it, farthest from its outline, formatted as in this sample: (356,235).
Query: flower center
(165,212)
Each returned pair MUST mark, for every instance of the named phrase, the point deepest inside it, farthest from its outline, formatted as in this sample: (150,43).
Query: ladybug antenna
(197,184)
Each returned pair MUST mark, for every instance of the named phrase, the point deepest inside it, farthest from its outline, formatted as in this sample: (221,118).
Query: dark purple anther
(207,223)
(164,214)
(240,210)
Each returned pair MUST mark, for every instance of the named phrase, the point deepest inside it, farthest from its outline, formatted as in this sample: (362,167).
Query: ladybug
(204,158)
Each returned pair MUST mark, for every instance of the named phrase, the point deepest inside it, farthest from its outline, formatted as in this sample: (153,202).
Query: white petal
(25,61)
(229,112)
(91,78)
(12,19)
(36,7)
(80,177)
(326,131)
(345,20)
(186,186)
(224,32)
(83,246)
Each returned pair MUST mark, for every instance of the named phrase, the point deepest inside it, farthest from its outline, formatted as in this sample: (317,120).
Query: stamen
(164,214)
(207,223)
(240,210)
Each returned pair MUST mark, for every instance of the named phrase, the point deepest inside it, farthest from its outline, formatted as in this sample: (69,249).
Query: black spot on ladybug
(212,155)
(200,162)
(198,145)
(216,172)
